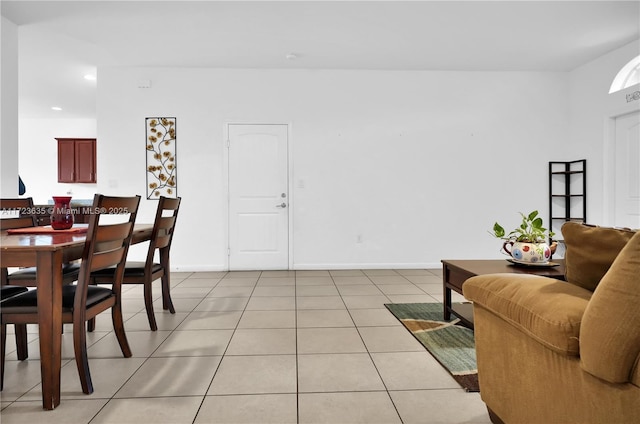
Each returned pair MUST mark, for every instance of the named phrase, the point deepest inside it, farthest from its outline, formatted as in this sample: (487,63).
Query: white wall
(419,163)
(9,109)
(39,152)
(592,113)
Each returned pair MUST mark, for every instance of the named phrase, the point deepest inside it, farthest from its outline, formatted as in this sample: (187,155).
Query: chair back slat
(22,209)
(166,225)
(107,258)
(163,227)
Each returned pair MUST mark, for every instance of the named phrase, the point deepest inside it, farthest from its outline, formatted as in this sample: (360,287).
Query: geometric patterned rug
(452,345)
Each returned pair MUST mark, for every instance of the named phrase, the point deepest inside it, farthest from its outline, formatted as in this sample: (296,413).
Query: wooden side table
(456,272)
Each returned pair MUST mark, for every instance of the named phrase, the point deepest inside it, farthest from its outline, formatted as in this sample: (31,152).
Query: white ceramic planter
(527,252)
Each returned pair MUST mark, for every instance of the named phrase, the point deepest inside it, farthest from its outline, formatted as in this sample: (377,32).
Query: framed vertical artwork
(161,158)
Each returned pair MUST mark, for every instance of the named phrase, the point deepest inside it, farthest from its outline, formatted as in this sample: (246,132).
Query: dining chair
(20,329)
(107,244)
(25,216)
(149,271)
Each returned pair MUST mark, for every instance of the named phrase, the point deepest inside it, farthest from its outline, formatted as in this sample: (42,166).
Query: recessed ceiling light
(90,77)
(56,108)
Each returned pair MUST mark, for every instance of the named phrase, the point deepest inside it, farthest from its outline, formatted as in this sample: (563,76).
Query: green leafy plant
(529,231)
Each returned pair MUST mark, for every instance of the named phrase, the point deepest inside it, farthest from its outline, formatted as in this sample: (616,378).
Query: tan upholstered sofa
(551,351)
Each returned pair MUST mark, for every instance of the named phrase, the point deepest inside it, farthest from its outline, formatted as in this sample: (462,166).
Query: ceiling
(61,41)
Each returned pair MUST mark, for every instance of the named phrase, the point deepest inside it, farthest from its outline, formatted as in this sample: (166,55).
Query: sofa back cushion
(610,330)
(590,251)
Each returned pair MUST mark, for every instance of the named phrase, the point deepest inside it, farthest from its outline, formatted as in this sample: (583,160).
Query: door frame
(227,197)
(609,165)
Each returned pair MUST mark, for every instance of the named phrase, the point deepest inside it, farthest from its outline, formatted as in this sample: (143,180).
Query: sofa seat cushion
(547,310)
(590,252)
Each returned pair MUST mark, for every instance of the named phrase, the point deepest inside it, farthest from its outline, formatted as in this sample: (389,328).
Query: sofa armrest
(545,309)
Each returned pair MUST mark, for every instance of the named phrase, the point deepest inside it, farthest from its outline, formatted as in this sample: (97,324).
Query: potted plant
(527,243)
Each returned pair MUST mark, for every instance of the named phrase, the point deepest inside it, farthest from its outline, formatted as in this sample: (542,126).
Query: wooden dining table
(48,253)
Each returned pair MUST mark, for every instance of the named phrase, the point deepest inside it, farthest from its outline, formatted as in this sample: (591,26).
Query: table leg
(446,293)
(49,280)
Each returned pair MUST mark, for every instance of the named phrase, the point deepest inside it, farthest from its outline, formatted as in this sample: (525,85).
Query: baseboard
(319,266)
(422,265)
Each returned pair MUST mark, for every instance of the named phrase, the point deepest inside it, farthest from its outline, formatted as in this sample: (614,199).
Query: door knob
(282,205)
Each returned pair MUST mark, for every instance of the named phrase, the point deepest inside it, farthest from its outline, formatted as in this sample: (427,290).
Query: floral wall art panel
(161,158)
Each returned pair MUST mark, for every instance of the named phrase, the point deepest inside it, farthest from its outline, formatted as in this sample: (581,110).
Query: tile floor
(256,347)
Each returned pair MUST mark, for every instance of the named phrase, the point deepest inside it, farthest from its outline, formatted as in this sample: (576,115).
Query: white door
(627,171)
(258,197)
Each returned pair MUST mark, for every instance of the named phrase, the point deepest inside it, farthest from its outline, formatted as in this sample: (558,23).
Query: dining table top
(39,240)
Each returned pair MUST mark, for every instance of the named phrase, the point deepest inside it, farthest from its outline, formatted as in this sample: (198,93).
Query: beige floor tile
(425,279)
(255,375)
(451,406)
(180,304)
(389,289)
(388,279)
(351,281)
(195,343)
(314,281)
(230,291)
(164,321)
(437,272)
(69,411)
(378,272)
(107,375)
(359,290)
(198,283)
(346,273)
(210,274)
(270,341)
(272,303)
(249,409)
(278,281)
(337,373)
(431,288)
(412,272)
(274,291)
(238,282)
(411,298)
(320,302)
(19,378)
(222,304)
(317,291)
(312,273)
(142,344)
(243,274)
(188,292)
(324,318)
(365,302)
(268,319)
(412,371)
(211,320)
(157,410)
(277,274)
(160,377)
(350,407)
(389,339)
(329,340)
(373,317)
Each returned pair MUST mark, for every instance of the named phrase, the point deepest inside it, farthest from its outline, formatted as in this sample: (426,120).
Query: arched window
(628,76)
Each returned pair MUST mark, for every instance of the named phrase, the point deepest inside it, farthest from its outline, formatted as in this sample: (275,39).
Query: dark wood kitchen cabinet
(76,160)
